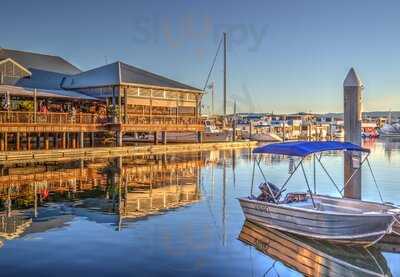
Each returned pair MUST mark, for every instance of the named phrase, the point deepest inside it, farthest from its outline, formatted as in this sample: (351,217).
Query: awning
(45,93)
(305,148)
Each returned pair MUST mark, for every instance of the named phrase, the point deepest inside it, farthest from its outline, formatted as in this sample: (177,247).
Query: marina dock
(10,157)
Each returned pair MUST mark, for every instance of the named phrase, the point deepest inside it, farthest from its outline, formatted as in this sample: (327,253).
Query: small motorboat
(317,216)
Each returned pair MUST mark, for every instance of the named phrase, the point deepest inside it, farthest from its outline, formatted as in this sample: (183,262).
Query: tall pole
(284,127)
(34,105)
(224,74)
(212,97)
(352,88)
(234,122)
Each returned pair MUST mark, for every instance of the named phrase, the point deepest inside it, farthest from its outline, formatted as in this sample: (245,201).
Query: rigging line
(308,185)
(290,176)
(330,177)
(373,177)
(213,64)
(354,173)
(266,182)
(252,178)
(211,212)
(315,177)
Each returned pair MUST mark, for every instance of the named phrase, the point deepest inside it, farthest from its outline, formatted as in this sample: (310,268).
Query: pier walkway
(10,157)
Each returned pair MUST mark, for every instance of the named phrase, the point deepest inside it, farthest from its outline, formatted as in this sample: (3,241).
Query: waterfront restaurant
(46,102)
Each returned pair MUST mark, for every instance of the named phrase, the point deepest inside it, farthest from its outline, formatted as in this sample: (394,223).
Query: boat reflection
(314,258)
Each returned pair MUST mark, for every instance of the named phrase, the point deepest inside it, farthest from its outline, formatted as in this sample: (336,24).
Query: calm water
(170,215)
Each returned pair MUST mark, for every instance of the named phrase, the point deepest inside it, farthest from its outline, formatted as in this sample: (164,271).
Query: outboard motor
(266,190)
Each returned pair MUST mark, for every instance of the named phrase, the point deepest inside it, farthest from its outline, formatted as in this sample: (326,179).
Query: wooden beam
(35,106)
(55,139)
(151,105)
(155,138)
(46,141)
(119,105)
(73,140)
(38,141)
(28,141)
(2,142)
(92,139)
(125,105)
(63,140)
(81,140)
(17,141)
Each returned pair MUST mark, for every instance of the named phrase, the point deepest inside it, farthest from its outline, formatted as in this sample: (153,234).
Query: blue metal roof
(39,61)
(119,73)
(305,148)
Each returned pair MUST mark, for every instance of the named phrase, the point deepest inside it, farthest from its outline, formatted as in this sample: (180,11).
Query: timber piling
(352,87)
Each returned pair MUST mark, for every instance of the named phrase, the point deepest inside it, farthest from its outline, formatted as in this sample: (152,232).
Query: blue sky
(284,56)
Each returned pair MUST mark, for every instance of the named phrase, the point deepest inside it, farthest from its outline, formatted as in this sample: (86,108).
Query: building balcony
(21,121)
(53,122)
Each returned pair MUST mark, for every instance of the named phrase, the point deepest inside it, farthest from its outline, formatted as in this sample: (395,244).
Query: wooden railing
(50,118)
(162,120)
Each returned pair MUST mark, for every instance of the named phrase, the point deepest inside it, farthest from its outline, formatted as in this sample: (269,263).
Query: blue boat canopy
(305,148)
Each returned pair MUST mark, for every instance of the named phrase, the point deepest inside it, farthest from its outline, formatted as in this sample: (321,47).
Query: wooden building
(48,101)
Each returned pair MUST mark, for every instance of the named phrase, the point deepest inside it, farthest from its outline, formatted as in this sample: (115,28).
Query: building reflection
(314,258)
(118,190)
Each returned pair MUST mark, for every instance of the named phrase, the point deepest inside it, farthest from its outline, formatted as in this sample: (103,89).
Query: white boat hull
(268,137)
(191,137)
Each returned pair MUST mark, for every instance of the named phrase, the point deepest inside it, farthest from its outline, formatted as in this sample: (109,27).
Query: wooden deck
(10,157)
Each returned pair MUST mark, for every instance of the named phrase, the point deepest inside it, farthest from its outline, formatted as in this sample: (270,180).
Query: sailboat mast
(212,97)
(224,74)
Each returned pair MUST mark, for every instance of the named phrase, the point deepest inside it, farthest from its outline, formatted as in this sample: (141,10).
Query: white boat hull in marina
(390,130)
(191,137)
(335,219)
(266,137)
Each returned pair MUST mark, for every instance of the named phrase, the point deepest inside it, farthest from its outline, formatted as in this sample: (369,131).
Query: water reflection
(179,210)
(114,190)
(313,258)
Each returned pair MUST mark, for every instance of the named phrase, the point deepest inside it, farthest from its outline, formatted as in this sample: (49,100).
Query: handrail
(57,118)
(133,119)
(50,118)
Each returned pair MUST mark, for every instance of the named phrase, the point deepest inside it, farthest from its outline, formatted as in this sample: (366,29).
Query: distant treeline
(395,114)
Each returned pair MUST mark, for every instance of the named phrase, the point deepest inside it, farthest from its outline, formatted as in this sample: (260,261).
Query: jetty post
(352,90)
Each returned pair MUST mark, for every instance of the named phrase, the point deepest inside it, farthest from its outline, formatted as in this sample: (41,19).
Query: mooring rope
(373,177)
(270,268)
(375,260)
(389,230)
(394,215)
